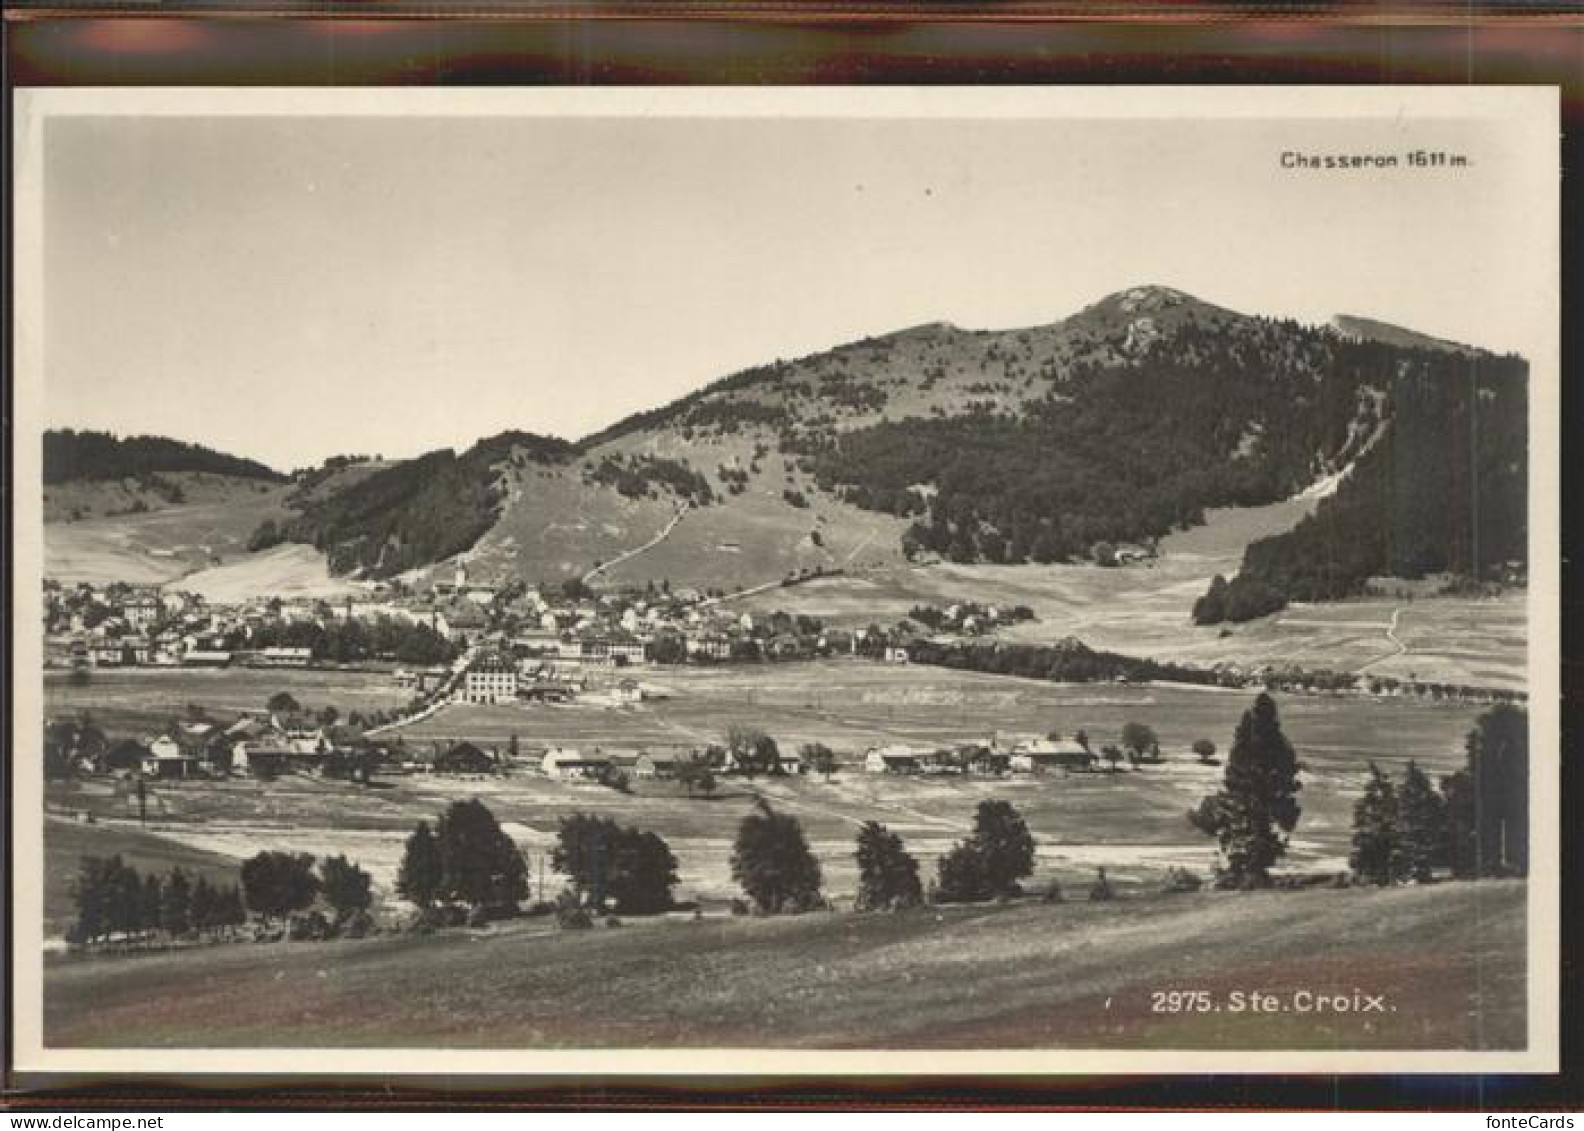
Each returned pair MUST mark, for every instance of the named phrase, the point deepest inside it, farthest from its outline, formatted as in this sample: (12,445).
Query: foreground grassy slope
(1450,960)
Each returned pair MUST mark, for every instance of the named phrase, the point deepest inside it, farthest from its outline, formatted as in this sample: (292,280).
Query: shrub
(1101,889)
(1181,880)
(309,927)
(1053,892)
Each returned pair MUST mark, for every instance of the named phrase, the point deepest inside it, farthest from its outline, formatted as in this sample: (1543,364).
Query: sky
(288,288)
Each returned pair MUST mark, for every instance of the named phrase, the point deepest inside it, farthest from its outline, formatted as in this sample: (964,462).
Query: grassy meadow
(1132,823)
(1019,976)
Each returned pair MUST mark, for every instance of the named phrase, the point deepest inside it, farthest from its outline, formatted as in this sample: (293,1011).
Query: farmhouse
(205,658)
(490,679)
(167,759)
(271,756)
(629,691)
(465,758)
(661,767)
(282,657)
(1043,754)
(571,765)
(897,759)
(985,760)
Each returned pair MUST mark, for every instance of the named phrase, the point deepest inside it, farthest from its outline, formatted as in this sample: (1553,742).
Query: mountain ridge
(1026,444)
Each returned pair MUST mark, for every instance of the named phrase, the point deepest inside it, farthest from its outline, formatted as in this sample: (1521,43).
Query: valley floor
(1447,962)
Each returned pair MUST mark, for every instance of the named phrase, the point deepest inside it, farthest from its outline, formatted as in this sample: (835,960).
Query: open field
(1146,609)
(1020,976)
(166,543)
(1132,823)
(1143,610)
(129,700)
(67,842)
(287,571)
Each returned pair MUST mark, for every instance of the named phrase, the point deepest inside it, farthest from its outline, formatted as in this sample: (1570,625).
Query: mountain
(1118,424)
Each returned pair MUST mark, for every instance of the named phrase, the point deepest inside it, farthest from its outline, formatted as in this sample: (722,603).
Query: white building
(490,679)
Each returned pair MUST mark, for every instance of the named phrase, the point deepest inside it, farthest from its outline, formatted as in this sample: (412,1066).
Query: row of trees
(113,899)
(1476,824)
(343,641)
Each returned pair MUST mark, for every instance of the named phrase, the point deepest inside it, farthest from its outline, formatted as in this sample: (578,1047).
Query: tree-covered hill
(1444,490)
(71,455)
(416,512)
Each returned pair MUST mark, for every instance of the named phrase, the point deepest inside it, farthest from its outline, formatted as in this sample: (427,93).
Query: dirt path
(633,553)
(1391,634)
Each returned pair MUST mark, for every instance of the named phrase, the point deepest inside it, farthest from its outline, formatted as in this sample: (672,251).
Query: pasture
(1132,822)
(163,544)
(1023,976)
(130,700)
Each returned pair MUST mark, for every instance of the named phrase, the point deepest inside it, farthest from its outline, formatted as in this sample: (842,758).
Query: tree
(1376,853)
(772,862)
(92,893)
(646,871)
(1421,826)
(1211,608)
(176,905)
(1205,750)
(695,774)
(668,648)
(989,863)
(144,902)
(347,888)
(961,875)
(1457,801)
(283,703)
(277,884)
(479,864)
(1005,844)
(1498,768)
(752,750)
(1113,755)
(418,879)
(1139,738)
(232,913)
(821,759)
(585,852)
(1257,804)
(887,874)
(205,905)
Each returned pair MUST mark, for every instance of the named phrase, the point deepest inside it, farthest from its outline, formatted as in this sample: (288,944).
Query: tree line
(71,455)
(113,900)
(1475,824)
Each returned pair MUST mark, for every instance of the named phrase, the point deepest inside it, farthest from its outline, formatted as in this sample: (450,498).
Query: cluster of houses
(123,625)
(991,758)
(263,745)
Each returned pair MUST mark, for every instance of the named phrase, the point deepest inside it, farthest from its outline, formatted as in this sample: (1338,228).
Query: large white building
(490,679)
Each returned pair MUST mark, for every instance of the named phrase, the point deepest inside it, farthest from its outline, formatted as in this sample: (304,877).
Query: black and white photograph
(804,580)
